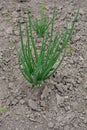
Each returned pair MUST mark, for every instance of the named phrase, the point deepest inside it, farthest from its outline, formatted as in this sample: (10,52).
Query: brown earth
(61,103)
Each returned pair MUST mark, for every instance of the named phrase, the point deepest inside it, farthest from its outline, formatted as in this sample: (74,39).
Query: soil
(61,102)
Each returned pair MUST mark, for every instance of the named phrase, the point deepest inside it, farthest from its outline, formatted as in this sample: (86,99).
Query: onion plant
(39,65)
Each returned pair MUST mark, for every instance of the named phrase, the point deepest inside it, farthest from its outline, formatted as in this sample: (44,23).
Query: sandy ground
(61,103)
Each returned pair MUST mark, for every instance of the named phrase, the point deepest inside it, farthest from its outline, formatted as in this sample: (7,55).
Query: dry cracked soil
(61,102)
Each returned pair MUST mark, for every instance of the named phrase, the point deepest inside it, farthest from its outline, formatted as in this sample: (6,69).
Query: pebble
(43,103)
(45,92)
(52,88)
(10,85)
(32,104)
(67,108)
(28,116)
(66,97)
(77,37)
(22,101)
(82,118)
(17,118)
(3,78)
(60,99)
(50,124)
(14,102)
(19,97)
(35,126)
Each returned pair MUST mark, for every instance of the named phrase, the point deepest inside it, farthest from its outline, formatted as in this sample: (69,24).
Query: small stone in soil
(35,126)
(22,101)
(3,78)
(14,102)
(43,103)
(45,92)
(60,99)
(50,125)
(17,118)
(67,108)
(33,104)
(11,85)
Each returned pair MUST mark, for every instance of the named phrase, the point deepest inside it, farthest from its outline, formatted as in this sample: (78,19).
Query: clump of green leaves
(38,65)
(41,25)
